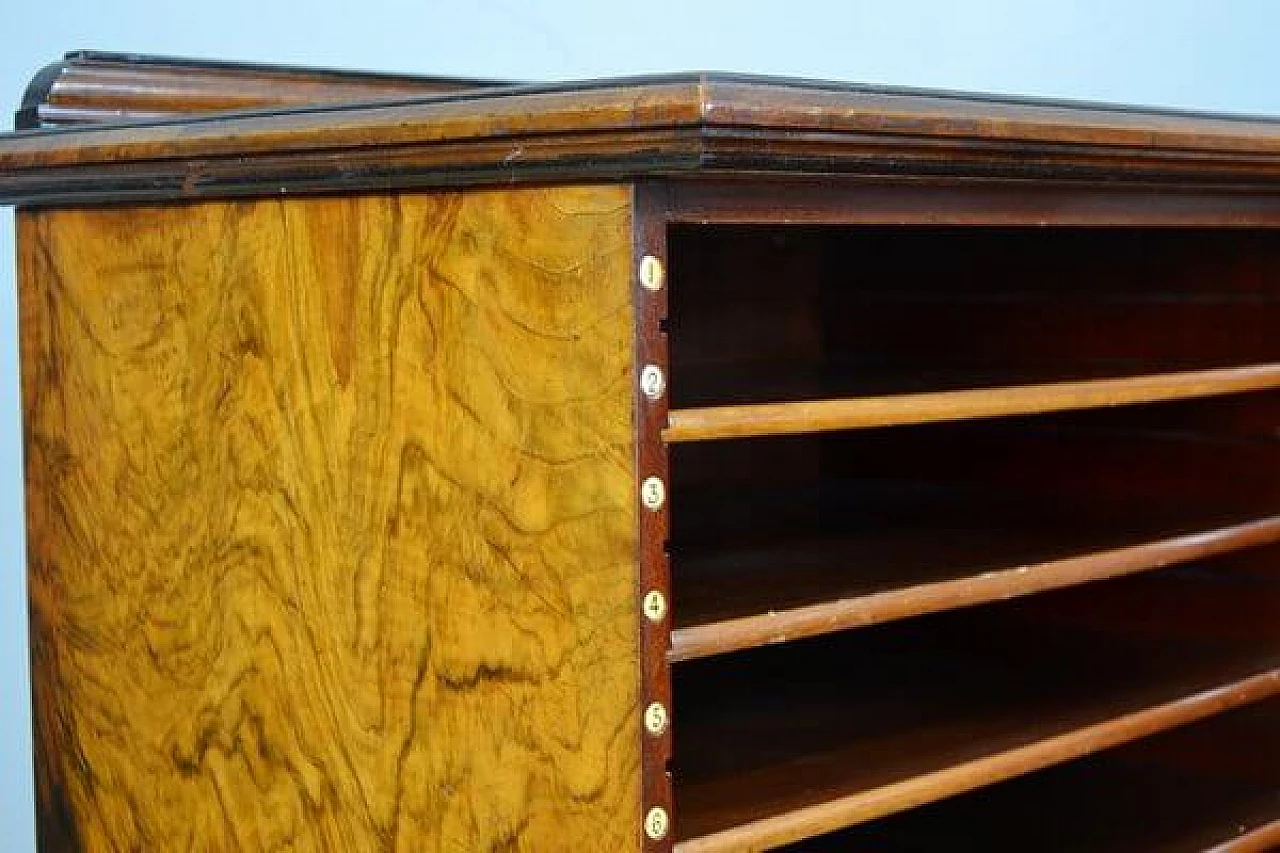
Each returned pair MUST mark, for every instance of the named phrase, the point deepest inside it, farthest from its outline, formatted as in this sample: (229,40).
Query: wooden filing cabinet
(696,462)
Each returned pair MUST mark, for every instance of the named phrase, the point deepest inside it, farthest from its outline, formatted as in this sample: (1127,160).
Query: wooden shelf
(787,743)
(508,470)
(750,597)
(768,314)
(1210,786)
(804,535)
(711,423)
(1057,446)
(1260,839)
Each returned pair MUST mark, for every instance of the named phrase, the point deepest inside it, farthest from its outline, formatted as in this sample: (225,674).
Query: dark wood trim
(637,127)
(650,229)
(541,161)
(954,201)
(92,87)
(27,116)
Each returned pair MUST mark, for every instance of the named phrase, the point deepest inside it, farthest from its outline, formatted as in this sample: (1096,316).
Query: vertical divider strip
(651,207)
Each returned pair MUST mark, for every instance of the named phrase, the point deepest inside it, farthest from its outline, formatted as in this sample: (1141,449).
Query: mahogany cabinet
(696,462)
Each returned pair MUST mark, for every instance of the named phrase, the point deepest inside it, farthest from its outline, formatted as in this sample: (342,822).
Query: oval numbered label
(651,273)
(653,493)
(655,606)
(656,823)
(655,718)
(651,381)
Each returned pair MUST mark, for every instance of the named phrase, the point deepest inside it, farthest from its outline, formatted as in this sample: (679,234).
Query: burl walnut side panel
(332,523)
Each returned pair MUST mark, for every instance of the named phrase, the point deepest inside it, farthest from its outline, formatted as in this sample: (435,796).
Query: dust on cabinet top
(112,128)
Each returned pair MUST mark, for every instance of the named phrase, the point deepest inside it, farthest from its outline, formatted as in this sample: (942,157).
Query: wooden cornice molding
(628,128)
(92,87)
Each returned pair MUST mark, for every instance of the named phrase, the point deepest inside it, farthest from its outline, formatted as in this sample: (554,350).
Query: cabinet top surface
(295,130)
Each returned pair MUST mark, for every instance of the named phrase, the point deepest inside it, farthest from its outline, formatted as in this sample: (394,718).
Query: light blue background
(1222,55)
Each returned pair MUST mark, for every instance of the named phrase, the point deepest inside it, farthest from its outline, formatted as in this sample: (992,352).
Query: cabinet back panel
(865,311)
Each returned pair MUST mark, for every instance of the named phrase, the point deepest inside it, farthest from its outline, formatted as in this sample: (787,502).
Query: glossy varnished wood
(909,714)
(337,534)
(790,418)
(90,87)
(1211,787)
(840,811)
(705,638)
(895,523)
(654,524)
(632,127)
(333,523)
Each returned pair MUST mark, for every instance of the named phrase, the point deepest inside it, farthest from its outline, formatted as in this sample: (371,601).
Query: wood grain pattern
(332,523)
(634,127)
(787,625)
(803,822)
(710,423)
(1210,787)
(89,87)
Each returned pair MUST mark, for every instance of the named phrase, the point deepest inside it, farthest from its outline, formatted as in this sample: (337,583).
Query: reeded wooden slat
(811,416)
(862,806)
(89,87)
(730,635)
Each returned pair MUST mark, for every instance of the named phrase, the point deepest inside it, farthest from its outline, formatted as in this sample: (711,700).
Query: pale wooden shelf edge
(812,416)
(746,632)
(819,818)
